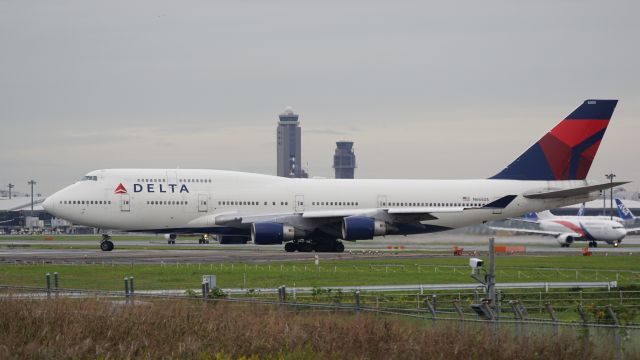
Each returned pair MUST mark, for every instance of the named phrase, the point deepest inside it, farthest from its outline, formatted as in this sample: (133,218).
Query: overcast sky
(425,89)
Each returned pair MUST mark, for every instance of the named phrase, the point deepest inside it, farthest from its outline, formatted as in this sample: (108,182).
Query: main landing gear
(106,244)
(593,244)
(309,246)
(204,239)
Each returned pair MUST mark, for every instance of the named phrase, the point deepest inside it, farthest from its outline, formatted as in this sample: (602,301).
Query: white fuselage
(170,200)
(593,229)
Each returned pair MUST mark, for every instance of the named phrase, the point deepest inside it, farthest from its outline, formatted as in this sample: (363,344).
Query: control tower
(344,160)
(289,145)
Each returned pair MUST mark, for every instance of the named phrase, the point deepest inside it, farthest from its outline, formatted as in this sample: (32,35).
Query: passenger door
(172,177)
(125,202)
(299,205)
(382,201)
(203,200)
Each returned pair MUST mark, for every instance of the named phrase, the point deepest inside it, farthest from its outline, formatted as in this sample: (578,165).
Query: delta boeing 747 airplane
(316,214)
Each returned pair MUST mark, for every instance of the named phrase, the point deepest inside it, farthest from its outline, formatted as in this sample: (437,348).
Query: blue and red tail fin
(567,151)
(624,213)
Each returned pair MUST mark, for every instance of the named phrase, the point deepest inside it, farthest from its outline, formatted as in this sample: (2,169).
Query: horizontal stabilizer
(565,193)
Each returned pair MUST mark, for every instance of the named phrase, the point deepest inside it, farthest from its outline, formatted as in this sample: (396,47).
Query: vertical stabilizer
(582,210)
(623,211)
(567,151)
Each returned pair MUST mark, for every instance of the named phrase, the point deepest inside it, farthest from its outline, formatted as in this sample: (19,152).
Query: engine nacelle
(565,239)
(267,233)
(362,228)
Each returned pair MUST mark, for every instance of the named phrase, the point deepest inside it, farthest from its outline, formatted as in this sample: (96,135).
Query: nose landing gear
(106,244)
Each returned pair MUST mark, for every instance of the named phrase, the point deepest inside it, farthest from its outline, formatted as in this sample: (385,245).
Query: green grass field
(624,269)
(389,271)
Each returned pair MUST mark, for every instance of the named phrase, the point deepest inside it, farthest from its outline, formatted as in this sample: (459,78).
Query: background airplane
(568,229)
(314,214)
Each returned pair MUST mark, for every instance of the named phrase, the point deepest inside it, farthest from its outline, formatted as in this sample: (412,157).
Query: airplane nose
(48,204)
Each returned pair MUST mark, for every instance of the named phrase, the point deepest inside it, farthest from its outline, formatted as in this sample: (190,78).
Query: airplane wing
(538,232)
(413,212)
(331,219)
(328,215)
(564,193)
(338,213)
(524,220)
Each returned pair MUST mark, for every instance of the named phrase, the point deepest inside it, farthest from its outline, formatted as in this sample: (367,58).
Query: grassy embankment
(182,329)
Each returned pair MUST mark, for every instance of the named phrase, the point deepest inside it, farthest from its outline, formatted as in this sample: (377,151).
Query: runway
(156,250)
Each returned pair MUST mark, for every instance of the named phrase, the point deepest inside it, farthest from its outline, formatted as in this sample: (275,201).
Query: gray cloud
(453,89)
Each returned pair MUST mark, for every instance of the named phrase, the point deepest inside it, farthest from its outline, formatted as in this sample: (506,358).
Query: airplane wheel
(595,244)
(616,244)
(305,247)
(106,246)
(339,246)
(290,247)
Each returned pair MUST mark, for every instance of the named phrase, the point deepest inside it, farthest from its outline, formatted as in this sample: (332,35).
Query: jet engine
(565,240)
(267,233)
(171,238)
(362,228)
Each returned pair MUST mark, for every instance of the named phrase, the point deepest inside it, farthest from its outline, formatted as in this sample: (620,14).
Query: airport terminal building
(17,216)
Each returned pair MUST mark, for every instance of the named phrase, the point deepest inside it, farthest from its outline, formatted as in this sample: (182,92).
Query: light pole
(610,177)
(11,186)
(31,182)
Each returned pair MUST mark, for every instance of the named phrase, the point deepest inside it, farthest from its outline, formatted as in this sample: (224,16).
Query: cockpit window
(89,178)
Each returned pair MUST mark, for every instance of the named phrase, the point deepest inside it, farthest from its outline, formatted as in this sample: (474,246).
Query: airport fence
(596,316)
